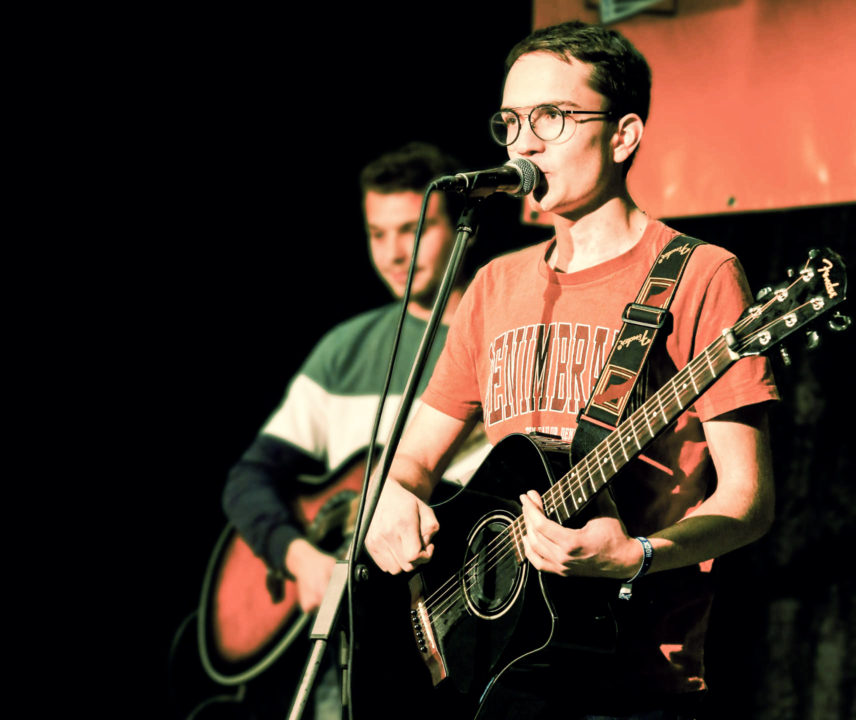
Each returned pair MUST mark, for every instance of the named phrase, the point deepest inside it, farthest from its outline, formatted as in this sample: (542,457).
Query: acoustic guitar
(242,625)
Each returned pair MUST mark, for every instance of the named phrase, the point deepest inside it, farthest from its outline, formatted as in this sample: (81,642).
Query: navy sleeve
(256,496)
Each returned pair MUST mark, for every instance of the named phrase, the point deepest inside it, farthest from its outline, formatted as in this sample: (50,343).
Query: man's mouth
(540,189)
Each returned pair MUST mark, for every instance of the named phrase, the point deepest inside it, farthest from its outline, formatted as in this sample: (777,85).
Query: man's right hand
(403,525)
(311,569)
(399,537)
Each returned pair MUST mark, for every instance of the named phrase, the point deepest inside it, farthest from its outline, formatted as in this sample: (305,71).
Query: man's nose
(398,246)
(527,142)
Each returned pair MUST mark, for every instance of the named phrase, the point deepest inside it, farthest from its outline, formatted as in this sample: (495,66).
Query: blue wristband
(647,555)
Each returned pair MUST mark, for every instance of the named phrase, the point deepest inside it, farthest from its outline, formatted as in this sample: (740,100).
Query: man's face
(577,167)
(391,221)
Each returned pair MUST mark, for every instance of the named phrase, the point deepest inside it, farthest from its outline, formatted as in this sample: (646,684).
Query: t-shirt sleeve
(750,380)
(453,388)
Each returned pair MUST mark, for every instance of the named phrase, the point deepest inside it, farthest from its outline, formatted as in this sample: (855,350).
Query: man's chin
(541,204)
(396,285)
(417,294)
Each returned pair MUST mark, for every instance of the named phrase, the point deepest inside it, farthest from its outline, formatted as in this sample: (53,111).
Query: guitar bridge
(423,632)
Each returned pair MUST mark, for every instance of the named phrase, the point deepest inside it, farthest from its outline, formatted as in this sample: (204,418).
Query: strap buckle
(645,315)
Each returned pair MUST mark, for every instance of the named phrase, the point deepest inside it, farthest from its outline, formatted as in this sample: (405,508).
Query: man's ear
(627,137)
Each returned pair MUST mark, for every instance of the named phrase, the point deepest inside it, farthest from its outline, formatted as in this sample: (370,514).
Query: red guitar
(241,630)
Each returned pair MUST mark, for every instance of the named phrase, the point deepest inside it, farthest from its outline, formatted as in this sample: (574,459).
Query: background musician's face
(391,220)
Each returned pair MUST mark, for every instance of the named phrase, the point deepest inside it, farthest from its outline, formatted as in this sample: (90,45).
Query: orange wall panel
(753,103)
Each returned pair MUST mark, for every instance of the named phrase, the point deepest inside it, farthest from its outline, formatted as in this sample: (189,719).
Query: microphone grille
(529,175)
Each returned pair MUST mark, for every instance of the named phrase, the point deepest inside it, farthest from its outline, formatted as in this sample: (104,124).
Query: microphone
(517,177)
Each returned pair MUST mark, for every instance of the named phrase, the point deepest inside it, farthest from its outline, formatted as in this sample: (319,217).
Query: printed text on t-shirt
(539,368)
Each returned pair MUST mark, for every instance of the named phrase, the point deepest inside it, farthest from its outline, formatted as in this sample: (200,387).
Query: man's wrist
(647,558)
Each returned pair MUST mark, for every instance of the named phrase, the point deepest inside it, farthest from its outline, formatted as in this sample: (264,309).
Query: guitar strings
(497,550)
(680,382)
(500,543)
(584,469)
(500,549)
(501,546)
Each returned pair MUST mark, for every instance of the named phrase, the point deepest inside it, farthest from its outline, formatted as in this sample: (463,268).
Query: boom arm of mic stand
(343,577)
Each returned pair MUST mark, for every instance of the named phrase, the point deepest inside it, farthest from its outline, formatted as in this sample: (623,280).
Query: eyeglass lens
(546,121)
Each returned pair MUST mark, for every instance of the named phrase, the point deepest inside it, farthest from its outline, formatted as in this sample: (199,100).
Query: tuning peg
(785,355)
(812,339)
(763,292)
(839,322)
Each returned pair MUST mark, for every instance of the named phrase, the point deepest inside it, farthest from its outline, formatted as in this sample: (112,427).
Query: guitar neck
(573,491)
(819,285)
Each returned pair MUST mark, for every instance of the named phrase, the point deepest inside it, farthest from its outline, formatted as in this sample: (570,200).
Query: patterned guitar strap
(613,394)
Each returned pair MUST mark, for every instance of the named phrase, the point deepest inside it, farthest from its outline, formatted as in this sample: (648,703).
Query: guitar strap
(642,319)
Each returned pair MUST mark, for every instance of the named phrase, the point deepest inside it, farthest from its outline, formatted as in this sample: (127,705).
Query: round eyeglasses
(546,121)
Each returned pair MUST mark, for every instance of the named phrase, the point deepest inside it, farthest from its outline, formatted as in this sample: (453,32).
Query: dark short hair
(619,71)
(411,168)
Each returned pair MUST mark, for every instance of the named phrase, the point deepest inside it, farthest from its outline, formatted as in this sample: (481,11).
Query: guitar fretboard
(575,489)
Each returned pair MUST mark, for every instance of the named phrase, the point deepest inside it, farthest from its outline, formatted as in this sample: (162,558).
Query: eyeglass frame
(528,116)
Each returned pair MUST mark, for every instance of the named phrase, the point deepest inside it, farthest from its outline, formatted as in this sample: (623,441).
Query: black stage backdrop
(249,245)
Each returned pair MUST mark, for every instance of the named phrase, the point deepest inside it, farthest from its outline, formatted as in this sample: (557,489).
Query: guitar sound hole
(492,577)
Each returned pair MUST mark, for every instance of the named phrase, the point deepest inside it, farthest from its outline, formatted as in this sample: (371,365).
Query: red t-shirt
(526,347)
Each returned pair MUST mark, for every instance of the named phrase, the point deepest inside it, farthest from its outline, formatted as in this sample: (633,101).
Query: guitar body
(497,610)
(241,630)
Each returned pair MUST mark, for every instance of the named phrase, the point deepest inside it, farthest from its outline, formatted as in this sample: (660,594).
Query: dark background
(251,246)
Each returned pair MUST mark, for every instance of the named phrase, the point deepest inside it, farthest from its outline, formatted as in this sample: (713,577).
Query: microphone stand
(328,613)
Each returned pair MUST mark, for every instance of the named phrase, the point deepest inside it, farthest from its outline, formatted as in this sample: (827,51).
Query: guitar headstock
(817,286)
